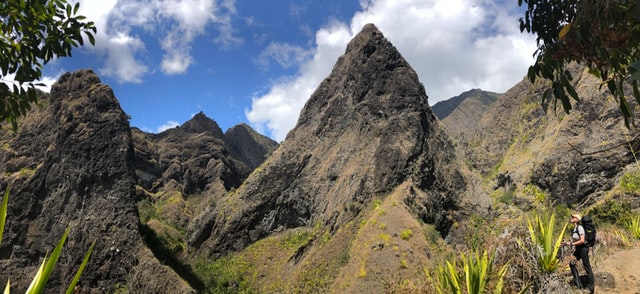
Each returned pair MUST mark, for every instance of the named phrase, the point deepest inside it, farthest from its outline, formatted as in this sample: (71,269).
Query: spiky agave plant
(473,278)
(545,241)
(42,275)
(634,226)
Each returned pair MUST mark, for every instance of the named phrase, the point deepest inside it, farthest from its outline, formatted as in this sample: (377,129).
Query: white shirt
(575,234)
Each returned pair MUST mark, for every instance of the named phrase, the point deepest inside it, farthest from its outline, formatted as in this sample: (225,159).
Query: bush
(544,239)
(612,212)
(473,275)
(634,226)
(506,197)
(406,234)
(534,192)
(630,181)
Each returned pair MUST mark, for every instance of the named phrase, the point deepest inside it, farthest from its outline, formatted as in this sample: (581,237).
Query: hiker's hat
(576,216)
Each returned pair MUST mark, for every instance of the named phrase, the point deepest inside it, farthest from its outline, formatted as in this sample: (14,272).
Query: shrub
(612,212)
(634,226)
(506,197)
(544,239)
(630,181)
(475,232)
(431,234)
(535,192)
(406,234)
(473,275)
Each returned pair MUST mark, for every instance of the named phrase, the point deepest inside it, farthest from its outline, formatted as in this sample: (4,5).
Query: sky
(257,62)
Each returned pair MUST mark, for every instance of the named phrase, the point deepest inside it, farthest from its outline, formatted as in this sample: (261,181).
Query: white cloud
(278,110)
(121,50)
(168,125)
(173,23)
(286,55)
(454,45)
(48,81)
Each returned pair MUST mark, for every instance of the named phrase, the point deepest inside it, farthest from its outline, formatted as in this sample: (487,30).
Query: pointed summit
(364,132)
(372,80)
(200,123)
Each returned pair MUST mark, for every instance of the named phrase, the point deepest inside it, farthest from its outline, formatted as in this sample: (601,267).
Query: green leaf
(3,212)
(37,278)
(92,40)
(7,289)
(42,277)
(76,278)
(567,85)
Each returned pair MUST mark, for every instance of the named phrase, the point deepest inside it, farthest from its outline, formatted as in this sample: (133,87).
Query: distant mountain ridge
(443,109)
(462,114)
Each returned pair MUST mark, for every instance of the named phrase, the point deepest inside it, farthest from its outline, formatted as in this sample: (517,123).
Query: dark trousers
(582,253)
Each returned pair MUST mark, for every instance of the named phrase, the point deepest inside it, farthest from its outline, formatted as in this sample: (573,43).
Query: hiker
(581,251)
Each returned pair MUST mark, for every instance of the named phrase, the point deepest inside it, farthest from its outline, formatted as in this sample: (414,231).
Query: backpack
(589,231)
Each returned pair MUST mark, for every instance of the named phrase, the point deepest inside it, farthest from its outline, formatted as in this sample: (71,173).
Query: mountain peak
(200,123)
(371,78)
(366,130)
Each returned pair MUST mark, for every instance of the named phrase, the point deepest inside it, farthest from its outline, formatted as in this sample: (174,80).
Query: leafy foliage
(33,34)
(634,226)
(406,234)
(536,193)
(630,181)
(228,274)
(546,240)
(601,34)
(612,212)
(473,277)
(3,212)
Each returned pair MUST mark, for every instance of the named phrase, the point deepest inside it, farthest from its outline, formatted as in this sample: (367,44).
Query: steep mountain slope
(445,108)
(461,114)
(71,164)
(366,133)
(182,172)
(249,146)
(576,158)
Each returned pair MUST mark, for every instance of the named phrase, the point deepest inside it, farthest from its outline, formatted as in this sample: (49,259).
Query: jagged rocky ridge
(366,130)
(575,157)
(74,161)
(71,164)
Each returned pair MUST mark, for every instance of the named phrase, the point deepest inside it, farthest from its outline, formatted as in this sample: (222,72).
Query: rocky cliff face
(71,164)
(574,157)
(249,146)
(366,130)
(185,170)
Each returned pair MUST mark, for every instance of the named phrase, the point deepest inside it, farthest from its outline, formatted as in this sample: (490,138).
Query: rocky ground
(624,265)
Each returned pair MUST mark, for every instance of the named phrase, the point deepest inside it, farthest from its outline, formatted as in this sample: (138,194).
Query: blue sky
(257,62)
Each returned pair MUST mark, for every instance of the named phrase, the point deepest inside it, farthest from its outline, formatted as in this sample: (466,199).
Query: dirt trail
(624,265)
